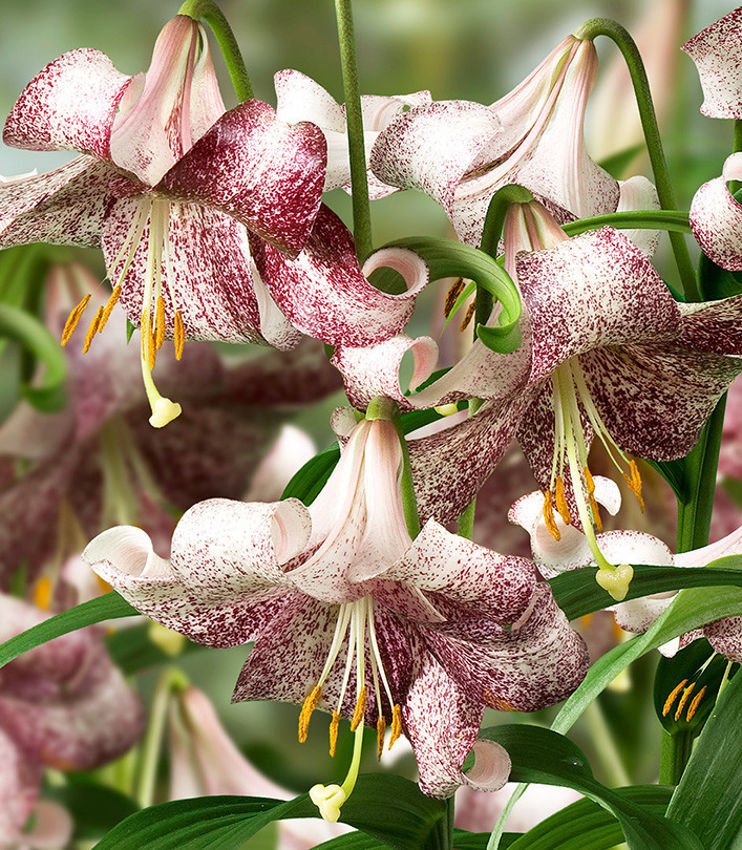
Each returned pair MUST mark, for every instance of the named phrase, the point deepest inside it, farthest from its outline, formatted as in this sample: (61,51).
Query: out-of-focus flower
(717,52)
(289,453)
(300,98)
(716,217)
(460,153)
(349,614)
(97,463)
(62,705)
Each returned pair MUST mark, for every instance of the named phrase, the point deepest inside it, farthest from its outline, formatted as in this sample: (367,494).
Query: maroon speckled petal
(265,173)
(70,105)
(717,52)
(20,779)
(713,326)
(726,637)
(716,217)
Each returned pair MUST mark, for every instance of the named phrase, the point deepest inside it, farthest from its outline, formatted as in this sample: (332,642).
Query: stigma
(158,299)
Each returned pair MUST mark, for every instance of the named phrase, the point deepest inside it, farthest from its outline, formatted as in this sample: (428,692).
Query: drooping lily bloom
(460,153)
(63,705)
(98,463)
(351,615)
(607,352)
(300,98)
(716,217)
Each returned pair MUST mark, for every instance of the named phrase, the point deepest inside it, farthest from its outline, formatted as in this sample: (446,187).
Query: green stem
(441,838)
(611,29)
(672,220)
(354,119)
(676,750)
(737,146)
(208,11)
(407,485)
(465,524)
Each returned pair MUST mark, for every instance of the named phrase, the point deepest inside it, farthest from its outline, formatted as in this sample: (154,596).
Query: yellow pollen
(695,702)
(110,304)
(178,335)
(561,501)
(334,724)
(92,330)
(160,323)
(359,711)
(453,293)
(672,696)
(396,725)
(380,729)
(103,585)
(42,593)
(310,703)
(590,484)
(634,480)
(683,699)
(549,516)
(73,319)
(467,318)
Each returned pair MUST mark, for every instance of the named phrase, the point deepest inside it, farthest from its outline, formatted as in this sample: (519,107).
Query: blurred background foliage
(473,49)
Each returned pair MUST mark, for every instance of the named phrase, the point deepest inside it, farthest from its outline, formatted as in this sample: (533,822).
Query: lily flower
(300,98)
(351,615)
(175,190)
(62,705)
(460,153)
(716,217)
(98,463)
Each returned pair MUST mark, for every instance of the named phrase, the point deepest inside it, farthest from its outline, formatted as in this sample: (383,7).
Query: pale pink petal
(52,827)
(717,52)
(725,636)
(263,172)
(637,193)
(300,98)
(637,615)
(206,106)
(70,105)
(491,768)
(326,295)
(289,453)
(729,545)
(20,779)
(716,217)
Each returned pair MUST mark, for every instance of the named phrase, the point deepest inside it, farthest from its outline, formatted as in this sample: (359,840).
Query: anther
(683,699)
(695,702)
(310,703)
(452,295)
(595,510)
(467,318)
(634,480)
(380,729)
(396,725)
(92,330)
(73,319)
(178,335)
(160,322)
(359,711)
(561,501)
(110,304)
(672,696)
(549,516)
(42,593)
(334,725)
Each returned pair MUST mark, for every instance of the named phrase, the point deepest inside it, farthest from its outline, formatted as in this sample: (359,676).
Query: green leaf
(94,808)
(387,807)
(617,163)
(541,755)
(577,593)
(108,607)
(49,394)
(708,799)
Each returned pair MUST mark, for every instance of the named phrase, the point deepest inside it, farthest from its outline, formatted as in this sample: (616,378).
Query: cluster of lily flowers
(362,603)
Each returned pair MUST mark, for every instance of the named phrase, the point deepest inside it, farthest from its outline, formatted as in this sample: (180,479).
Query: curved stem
(354,119)
(208,11)
(676,750)
(672,220)
(611,29)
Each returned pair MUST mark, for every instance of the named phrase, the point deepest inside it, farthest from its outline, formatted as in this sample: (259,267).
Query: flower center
(571,399)
(153,318)
(356,621)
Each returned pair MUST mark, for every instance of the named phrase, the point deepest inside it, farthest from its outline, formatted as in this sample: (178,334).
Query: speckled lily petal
(326,295)
(19,783)
(713,326)
(717,52)
(70,105)
(716,217)
(725,636)
(263,172)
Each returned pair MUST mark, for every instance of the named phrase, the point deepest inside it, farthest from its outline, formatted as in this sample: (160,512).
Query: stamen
(453,293)
(334,726)
(549,516)
(695,702)
(310,703)
(42,593)
(160,322)
(360,710)
(594,508)
(396,725)
(467,318)
(73,319)
(683,699)
(92,330)
(672,696)
(178,335)
(380,729)
(634,480)
(561,501)
(110,304)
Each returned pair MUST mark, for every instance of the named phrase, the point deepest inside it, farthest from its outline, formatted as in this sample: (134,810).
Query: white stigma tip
(615,580)
(328,799)
(163,412)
